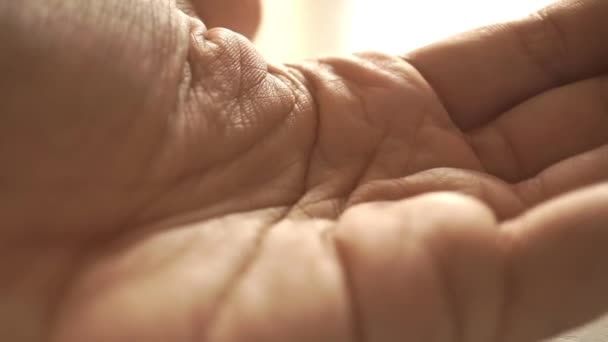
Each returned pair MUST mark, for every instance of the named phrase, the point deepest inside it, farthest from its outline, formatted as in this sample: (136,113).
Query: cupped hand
(162,182)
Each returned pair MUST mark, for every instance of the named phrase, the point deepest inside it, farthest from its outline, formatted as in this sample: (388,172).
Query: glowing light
(401,25)
(295,29)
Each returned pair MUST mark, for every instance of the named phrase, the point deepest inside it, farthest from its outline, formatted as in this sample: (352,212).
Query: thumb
(242,16)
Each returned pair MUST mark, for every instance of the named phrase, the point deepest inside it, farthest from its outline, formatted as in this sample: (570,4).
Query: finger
(423,269)
(485,72)
(494,192)
(557,266)
(554,126)
(242,16)
(571,174)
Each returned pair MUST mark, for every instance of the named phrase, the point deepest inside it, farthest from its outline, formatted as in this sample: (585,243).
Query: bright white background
(295,29)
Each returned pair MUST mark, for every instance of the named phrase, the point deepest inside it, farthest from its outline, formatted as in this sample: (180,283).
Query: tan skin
(161,182)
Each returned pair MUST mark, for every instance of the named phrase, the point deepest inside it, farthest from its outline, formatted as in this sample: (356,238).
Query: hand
(161,182)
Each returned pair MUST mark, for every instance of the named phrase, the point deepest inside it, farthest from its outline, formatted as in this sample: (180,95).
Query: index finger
(483,73)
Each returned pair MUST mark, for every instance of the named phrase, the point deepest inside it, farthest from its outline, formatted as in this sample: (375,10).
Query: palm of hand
(232,222)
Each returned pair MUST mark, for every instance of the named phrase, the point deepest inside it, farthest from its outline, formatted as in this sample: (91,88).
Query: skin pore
(162,182)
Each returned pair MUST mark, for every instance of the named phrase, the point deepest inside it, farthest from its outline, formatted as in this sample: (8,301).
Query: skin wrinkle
(181,94)
(146,219)
(324,234)
(311,87)
(462,312)
(461,318)
(483,194)
(520,170)
(359,182)
(181,61)
(183,86)
(150,160)
(539,188)
(542,47)
(194,175)
(519,174)
(325,239)
(249,261)
(125,243)
(373,156)
(361,329)
(251,94)
(436,94)
(448,298)
(508,243)
(368,163)
(414,142)
(245,268)
(187,78)
(537,183)
(250,67)
(444,109)
(310,79)
(475,149)
(339,201)
(466,133)
(356,319)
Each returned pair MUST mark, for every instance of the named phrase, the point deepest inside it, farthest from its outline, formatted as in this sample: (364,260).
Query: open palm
(164,183)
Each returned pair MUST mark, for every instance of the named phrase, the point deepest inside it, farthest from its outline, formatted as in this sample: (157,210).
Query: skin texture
(162,182)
